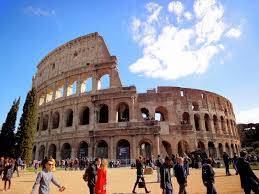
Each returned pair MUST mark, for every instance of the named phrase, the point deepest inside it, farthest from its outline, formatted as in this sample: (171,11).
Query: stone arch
(83,149)
(86,84)
(69,118)
(41,152)
(102,149)
(162,113)
(103,82)
(215,123)
(71,87)
(220,150)
(34,153)
(201,146)
(197,122)
(227,149)
(66,151)
(185,118)
(223,126)
(123,113)
(207,122)
(55,120)
(104,113)
(59,90)
(145,148)
(168,148)
(183,147)
(145,113)
(45,122)
(195,106)
(228,128)
(52,151)
(84,116)
(212,150)
(123,151)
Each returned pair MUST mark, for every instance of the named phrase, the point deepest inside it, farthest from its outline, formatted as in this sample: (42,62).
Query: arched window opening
(145,113)
(86,85)
(223,127)
(102,149)
(197,122)
(34,153)
(228,128)
(45,122)
(41,100)
(207,122)
(183,148)
(185,118)
(49,95)
(66,151)
(83,149)
(168,148)
(215,122)
(41,152)
(212,150)
(71,89)
(52,151)
(145,150)
(69,120)
(55,120)
(123,151)
(59,91)
(201,146)
(85,116)
(227,149)
(104,82)
(220,150)
(161,114)
(226,112)
(38,123)
(104,114)
(195,106)
(122,112)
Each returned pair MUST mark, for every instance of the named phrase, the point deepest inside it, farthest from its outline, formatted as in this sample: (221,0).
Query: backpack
(206,173)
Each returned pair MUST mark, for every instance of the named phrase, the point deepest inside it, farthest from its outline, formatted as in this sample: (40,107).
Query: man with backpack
(208,176)
(158,165)
(91,174)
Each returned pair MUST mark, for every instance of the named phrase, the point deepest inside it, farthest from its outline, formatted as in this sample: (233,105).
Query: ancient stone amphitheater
(78,117)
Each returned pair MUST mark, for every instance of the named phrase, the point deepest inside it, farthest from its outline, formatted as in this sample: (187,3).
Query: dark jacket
(139,167)
(226,159)
(246,173)
(180,174)
(207,173)
(165,174)
(91,172)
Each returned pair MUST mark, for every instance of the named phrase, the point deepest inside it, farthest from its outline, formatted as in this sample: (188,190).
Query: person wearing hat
(248,179)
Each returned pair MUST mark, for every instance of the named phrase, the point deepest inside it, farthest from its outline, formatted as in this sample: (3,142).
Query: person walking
(180,175)
(91,174)
(248,179)
(139,166)
(226,163)
(15,167)
(101,182)
(166,182)
(158,165)
(8,172)
(208,177)
(44,178)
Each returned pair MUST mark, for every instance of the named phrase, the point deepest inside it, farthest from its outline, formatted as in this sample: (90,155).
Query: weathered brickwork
(78,117)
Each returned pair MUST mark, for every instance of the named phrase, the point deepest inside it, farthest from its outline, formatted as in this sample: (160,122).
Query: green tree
(27,127)
(7,140)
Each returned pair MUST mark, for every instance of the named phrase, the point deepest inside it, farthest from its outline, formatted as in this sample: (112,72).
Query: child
(44,179)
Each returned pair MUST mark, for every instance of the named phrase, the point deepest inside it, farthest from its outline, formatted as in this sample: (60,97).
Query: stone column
(94,82)
(134,148)
(111,154)
(157,145)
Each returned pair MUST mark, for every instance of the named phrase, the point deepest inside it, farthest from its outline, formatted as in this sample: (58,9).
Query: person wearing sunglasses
(44,178)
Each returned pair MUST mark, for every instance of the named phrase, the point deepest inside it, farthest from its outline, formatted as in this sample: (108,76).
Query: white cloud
(248,116)
(39,12)
(234,33)
(170,50)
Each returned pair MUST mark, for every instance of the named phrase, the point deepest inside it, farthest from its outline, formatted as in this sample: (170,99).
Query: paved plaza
(121,181)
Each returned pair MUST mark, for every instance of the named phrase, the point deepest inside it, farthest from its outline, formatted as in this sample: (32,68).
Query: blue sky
(211,45)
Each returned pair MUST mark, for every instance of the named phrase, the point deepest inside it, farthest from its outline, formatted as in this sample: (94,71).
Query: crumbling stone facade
(77,117)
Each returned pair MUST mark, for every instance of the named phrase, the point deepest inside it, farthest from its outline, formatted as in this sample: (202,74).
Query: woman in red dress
(100,185)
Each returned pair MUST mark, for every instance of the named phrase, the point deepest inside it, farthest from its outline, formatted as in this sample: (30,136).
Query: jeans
(182,188)
(169,191)
(210,188)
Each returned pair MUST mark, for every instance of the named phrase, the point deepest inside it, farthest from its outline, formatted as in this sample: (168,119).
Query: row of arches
(70,88)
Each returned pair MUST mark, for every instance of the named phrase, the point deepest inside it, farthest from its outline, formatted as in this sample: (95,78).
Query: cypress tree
(7,140)
(27,127)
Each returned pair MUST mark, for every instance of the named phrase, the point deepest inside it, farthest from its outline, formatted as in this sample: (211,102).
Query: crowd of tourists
(95,172)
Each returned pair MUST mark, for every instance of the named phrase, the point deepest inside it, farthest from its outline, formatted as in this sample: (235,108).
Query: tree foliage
(27,127)
(7,139)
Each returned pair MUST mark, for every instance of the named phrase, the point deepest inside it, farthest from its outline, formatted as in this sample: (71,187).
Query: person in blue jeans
(180,175)
(165,176)
(208,177)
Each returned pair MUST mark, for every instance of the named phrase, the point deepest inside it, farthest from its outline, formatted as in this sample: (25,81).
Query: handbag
(141,184)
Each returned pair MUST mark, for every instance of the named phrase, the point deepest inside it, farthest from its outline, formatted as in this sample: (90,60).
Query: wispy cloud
(248,116)
(177,42)
(39,11)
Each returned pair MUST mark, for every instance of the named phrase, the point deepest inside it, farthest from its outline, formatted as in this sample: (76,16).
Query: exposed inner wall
(84,111)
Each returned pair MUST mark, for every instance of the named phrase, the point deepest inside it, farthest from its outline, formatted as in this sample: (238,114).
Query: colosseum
(78,116)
